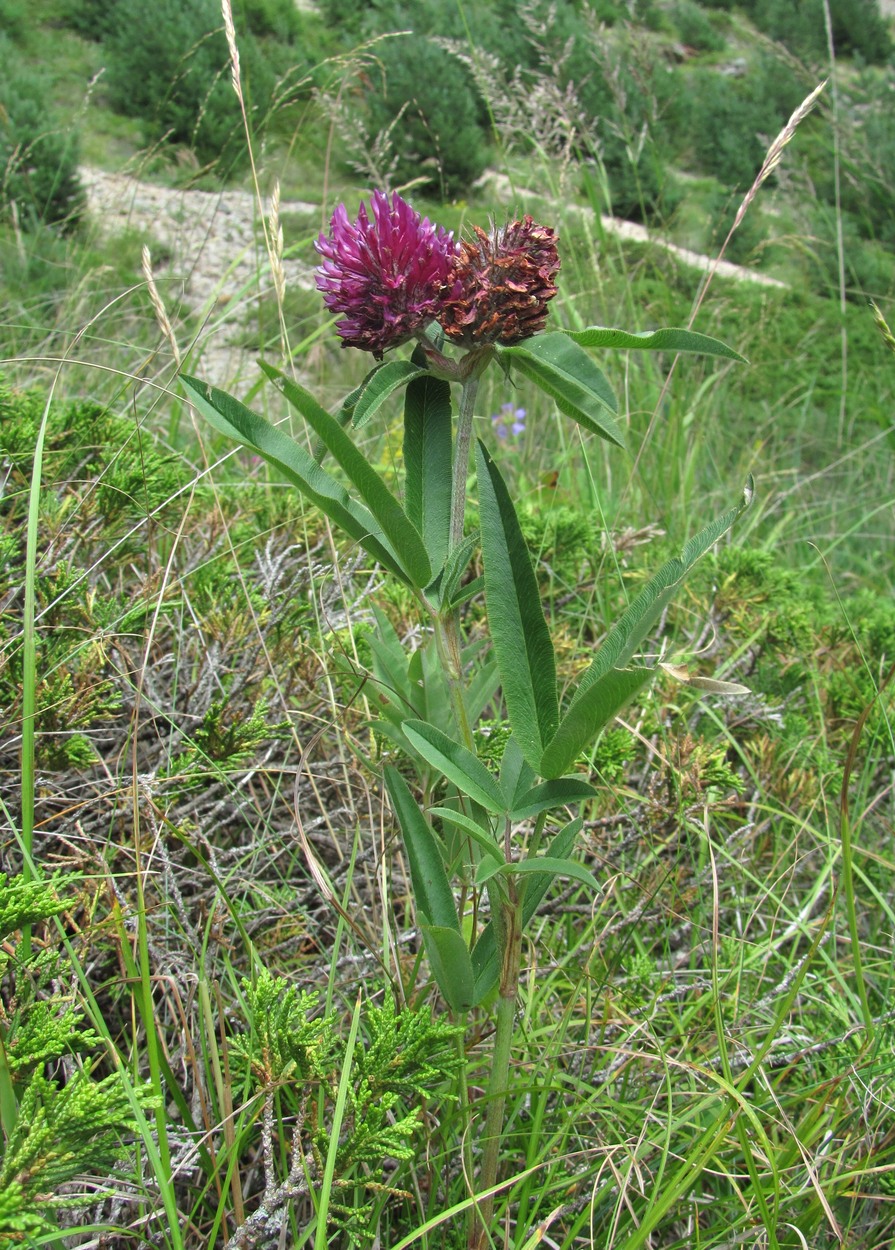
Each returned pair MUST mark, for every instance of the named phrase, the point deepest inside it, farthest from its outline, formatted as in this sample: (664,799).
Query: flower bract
(501,283)
(385,274)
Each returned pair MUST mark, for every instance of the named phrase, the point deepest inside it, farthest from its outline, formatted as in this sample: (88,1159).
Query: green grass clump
(39,152)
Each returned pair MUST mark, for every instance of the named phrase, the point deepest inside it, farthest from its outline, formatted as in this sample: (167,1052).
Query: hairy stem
(498,1080)
(447,639)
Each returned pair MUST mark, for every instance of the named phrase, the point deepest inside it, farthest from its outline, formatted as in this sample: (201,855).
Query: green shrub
(38,158)
(734,119)
(168,64)
(90,18)
(438,139)
(13,18)
(867,187)
(695,29)
(94,19)
(858,27)
(279,19)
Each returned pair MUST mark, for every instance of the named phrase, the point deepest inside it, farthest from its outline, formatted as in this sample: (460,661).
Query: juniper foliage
(58,1121)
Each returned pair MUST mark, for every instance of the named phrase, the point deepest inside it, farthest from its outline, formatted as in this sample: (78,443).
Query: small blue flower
(510,420)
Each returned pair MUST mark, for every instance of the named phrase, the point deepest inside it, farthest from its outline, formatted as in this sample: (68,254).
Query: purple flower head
(386,276)
(509,420)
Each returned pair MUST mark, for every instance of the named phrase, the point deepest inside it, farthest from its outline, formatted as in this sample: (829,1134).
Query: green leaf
(469,591)
(668,340)
(540,864)
(430,690)
(455,566)
(428,455)
(607,685)
(484,956)
(518,629)
(455,762)
(565,372)
(431,889)
(348,403)
(516,775)
(451,966)
(381,383)
(480,836)
(481,690)
(632,627)
(404,537)
(236,421)
(549,794)
(392,682)
(588,715)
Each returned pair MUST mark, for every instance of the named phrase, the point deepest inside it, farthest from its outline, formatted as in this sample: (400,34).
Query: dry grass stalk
(775,152)
(275,234)
(770,163)
(230,32)
(161,314)
(883,327)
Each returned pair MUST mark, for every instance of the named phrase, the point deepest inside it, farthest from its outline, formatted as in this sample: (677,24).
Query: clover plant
(484,854)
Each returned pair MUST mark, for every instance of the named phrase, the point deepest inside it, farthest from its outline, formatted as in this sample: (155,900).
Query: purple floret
(386,276)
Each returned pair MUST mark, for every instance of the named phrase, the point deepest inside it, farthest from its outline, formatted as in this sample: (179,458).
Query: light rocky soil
(209,262)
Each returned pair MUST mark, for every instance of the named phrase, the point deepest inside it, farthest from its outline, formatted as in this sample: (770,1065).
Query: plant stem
(498,1080)
(447,639)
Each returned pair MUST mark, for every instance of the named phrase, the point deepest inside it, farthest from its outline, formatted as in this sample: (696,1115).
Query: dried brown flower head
(500,284)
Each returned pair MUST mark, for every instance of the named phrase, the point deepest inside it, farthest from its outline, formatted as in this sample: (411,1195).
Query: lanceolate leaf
(532,867)
(451,966)
(236,421)
(484,956)
(480,836)
(669,340)
(516,774)
(455,762)
(608,684)
(634,624)
(390,664)
(549,794)
(468,591)
(384,382)
(431,888)
(428,450)
(348,403)
(403,536)
(519,631)
(566,372)
(588,715)
(481,690)
(444,586)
